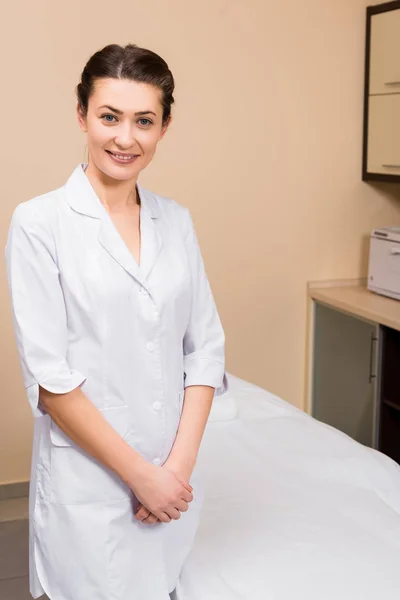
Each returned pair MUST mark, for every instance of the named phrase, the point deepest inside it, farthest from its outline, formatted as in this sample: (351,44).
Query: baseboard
(14,490)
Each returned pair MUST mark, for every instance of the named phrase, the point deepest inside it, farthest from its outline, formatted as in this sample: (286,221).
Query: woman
(121,349)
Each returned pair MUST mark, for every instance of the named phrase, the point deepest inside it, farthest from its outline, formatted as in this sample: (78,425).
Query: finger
(174,513)
(185,484)
(142,513)
(139,506)
(187,496)
(157,520)
(164,518)
(182,506)
(150,519)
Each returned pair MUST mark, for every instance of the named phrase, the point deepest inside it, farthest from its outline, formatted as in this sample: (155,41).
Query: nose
(125,140)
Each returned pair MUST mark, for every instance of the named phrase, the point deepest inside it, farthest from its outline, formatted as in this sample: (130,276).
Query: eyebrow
(137,114)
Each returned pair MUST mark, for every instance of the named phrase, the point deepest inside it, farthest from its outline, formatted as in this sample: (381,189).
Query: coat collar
(82,198)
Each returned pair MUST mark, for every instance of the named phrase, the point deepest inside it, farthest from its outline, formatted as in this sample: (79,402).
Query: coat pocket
(77,477)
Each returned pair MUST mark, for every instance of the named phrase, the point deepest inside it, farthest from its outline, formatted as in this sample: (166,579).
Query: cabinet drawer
(385,53)
(384,134)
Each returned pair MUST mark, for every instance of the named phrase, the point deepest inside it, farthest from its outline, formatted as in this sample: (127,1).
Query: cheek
(148,140)
(99,137)
(148,156)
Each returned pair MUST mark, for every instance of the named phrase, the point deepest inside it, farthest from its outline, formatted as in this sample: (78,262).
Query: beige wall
(265,150)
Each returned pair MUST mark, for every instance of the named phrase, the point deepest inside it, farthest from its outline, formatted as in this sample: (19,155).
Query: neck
(115,195)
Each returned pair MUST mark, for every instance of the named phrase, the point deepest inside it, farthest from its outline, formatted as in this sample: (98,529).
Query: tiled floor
(14,580)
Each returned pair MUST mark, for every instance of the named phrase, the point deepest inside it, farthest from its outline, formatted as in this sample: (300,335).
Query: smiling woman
(138,95)
(114,320)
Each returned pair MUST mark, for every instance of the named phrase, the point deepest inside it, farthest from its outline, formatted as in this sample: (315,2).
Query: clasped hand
(163,494)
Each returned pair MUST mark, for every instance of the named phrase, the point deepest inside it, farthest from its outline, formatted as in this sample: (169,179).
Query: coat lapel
(150,238)
(83,199)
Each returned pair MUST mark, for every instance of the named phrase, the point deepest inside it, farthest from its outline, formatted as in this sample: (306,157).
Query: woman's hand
(161,492)
(143,514)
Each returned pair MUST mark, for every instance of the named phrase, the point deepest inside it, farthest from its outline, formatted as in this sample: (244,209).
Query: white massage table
(294,509)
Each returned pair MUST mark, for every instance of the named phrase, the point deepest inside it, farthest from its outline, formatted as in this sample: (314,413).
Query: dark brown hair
(127,62)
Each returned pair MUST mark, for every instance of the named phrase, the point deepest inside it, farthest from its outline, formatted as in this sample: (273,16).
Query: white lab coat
(132,337)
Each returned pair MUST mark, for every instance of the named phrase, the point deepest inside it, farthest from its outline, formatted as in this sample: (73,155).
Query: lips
(121,161)
(122,154)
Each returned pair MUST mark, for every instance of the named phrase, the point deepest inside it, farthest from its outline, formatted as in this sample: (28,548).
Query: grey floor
(14,581)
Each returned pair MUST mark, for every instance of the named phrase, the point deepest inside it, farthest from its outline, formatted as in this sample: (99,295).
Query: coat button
(157,461)
(150,346)
(157,405)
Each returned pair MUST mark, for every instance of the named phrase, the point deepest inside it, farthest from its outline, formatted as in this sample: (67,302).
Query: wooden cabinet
(384,72)
(384,134)
(354,365)
(381,141)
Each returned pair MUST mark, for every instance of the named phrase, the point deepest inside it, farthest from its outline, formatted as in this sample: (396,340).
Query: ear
(165,127)
(81,118)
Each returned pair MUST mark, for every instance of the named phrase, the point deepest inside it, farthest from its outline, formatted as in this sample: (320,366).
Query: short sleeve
(38,309)
(204,339)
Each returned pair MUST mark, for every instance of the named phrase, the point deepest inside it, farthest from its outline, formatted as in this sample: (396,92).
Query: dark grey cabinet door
(345,366)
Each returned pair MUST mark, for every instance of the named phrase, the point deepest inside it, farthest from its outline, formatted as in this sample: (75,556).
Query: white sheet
(294,510)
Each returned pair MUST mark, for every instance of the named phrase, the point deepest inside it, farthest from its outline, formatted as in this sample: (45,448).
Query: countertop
(359,301)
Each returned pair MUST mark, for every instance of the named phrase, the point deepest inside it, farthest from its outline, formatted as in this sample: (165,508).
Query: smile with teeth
(123,156)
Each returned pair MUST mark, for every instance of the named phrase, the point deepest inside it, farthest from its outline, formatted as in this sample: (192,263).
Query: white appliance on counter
(384,262)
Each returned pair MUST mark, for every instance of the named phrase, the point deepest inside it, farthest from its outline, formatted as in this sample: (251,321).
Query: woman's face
(123,116)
